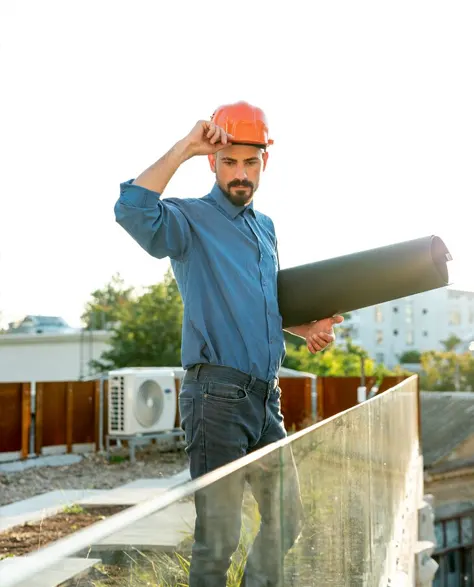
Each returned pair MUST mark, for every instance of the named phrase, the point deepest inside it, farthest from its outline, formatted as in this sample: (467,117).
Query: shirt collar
(226,205)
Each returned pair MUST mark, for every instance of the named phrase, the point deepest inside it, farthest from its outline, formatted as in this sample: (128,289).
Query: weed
(73,509)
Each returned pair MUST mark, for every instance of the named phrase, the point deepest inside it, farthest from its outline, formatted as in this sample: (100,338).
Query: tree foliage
(147,329)
(410,357)
(104,308)
(451,343)
(335,361)
(447,371)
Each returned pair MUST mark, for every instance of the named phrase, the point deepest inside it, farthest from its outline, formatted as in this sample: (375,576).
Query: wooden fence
(15,418)
(336,394)
(66,415)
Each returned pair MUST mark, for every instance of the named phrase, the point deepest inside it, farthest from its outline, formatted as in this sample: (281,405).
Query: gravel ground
(93,472)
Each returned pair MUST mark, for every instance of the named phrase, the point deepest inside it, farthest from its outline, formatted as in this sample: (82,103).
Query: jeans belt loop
(250,383)
(196,374)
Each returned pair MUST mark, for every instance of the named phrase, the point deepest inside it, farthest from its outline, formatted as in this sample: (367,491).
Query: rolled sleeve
(158,226)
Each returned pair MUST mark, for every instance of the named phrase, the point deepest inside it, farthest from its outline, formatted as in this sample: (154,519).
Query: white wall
(49,357)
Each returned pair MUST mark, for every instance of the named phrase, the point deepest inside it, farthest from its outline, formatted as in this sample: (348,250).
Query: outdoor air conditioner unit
(141,400)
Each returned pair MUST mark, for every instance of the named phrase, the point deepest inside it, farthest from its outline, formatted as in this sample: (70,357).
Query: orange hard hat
(246,123)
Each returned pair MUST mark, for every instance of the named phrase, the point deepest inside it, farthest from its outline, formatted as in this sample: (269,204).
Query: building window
(379,357)
(379,337)
(395,310)
(425,333)
(378,314)
(455,318)
(408,313)
(410,338)
(425,311)
(395,332)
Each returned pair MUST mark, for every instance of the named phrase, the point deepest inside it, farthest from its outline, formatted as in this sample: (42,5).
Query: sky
(370,105)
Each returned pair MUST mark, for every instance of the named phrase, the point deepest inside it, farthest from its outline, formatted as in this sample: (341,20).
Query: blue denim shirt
(225,262)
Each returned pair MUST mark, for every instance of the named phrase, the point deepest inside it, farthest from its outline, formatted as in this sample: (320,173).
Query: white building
(419,322)
(55,356)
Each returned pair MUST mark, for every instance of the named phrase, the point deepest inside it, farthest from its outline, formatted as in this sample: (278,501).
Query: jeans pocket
(226,392)
(186,415)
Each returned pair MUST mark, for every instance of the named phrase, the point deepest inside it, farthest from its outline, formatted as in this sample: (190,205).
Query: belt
(205,372)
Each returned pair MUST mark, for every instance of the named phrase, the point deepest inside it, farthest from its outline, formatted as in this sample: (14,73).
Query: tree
(103,309)
(148,329)
(334,361)
(410,357)
(447,371)
(451,343)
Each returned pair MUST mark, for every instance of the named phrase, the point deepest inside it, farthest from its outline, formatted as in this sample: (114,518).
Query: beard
(242,196)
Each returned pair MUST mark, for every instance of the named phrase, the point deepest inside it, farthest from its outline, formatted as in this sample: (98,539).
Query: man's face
(237,170)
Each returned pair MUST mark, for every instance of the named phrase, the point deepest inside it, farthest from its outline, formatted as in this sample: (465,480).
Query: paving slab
(42,506)
(160,482)
(126,496)
(160,532)
(47,461)
(61,571)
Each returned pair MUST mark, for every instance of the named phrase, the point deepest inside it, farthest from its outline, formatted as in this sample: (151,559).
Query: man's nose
(241,173)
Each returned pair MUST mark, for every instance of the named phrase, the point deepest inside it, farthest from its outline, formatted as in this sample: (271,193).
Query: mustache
(237,183)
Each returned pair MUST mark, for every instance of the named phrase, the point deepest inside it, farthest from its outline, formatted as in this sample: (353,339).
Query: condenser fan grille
(148,403)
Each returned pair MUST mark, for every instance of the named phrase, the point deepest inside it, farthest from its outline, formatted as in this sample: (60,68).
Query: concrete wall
(50,357)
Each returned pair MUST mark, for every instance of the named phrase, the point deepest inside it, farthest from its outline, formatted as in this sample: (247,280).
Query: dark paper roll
(351,282)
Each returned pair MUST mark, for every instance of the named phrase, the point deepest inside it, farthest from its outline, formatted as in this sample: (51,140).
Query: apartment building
(419,322)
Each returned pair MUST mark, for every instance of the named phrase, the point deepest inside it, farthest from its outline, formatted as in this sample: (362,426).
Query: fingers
(313,348)
(217,134)
(337,319)
(323,338)
(318,342)
(213,134)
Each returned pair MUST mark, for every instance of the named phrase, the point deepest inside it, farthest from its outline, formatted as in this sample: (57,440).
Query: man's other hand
(321,333)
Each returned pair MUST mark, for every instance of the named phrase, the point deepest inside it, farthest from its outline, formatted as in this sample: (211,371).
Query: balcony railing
(348,487)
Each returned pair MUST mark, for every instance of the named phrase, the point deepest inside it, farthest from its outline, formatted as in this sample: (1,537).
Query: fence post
(25,419)
(69,415)
(97,414)
(320,395)
(39,418)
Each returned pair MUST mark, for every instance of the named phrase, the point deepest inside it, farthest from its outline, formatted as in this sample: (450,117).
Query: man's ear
(265,159)
(212,162)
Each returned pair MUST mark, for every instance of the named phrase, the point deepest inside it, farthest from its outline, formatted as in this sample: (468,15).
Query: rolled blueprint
(342,284)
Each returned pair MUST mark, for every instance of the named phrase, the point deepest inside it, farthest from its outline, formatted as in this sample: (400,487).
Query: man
(224,257)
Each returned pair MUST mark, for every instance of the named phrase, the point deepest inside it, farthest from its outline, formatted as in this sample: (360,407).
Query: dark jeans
(225,415)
